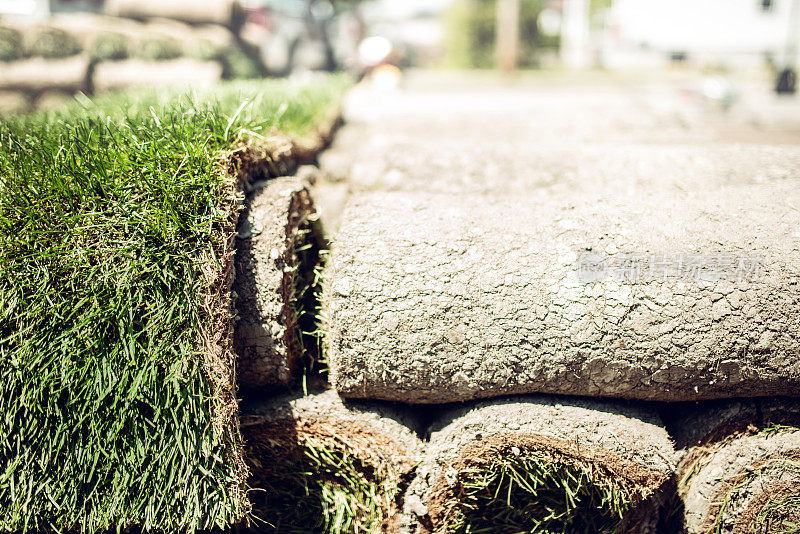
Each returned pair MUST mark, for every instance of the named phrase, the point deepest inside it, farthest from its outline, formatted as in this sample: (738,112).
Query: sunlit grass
(114,220)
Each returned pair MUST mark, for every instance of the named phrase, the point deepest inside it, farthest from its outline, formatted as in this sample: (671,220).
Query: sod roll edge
(266,332)
(319,464)
(740,471)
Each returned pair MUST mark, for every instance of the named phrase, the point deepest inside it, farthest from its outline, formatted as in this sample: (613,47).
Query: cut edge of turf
(262,158)
(346,477)
(248,161)
(216,335)
(770,476)
(627,490)
(722,435)
(779,420)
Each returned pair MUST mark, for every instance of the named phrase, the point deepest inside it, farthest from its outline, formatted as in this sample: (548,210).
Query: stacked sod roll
(277,218)
(325,466)
(545,464)
(740,466)
(435,298)
(36,75)
(118,223)
(565,264)
(223,12)
(87,53)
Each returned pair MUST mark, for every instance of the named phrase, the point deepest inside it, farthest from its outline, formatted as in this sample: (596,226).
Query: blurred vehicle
(291,35)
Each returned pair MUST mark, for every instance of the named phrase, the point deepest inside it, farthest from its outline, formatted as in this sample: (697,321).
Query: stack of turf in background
(43,64)
(117,221)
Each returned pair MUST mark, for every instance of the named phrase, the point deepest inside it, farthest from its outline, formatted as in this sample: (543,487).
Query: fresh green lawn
(116,224)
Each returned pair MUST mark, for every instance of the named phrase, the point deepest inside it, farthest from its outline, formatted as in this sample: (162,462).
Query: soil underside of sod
(539,484)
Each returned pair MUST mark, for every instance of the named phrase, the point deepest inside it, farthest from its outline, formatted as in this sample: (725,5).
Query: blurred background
(723,51)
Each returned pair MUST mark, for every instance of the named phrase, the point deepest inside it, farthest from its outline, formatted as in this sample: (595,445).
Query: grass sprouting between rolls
(315,485)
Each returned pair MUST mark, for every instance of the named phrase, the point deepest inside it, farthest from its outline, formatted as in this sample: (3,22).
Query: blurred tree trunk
(507,45)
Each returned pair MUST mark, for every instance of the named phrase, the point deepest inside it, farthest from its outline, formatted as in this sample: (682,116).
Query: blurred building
(724,33)
(38,9)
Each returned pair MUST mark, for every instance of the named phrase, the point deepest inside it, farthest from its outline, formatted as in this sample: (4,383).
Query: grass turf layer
(115,241)
(317,486)
(530,491)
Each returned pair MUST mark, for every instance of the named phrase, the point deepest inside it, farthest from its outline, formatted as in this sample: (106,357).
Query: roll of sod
(318,465)
(741,470)
(534,464)
(439,298)
(159,48)
(211,42)
(10,44)
(224,12)
(52,43)
(276,231)
(109,46)
(37,74)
